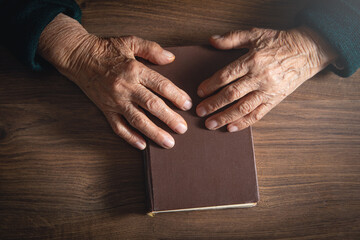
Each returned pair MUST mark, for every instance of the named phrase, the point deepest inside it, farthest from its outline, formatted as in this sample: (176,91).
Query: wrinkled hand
(107,71)
(277,63)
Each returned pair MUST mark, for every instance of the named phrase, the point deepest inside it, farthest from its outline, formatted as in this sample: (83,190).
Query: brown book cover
(205,169)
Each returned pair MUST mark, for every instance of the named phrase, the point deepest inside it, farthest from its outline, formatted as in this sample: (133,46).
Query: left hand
(109,74)
(277,63)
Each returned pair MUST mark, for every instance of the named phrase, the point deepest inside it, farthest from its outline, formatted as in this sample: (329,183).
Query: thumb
(234,39)
(151,51)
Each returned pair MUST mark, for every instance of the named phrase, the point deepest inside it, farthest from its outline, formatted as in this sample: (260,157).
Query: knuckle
(153,45)
(256,33)
(121,132)
(245,108)
(171,119)
(257,116)
(153,77)
(211,108)
(258,97)
(126,108)
(269,74)
(253,82)
(138,92)
(138,121)
(115,85)
(224,76)
(156,136)
(232,32)
(254,30)
(225,118)
(132,67)
(118,131)
(164,86)
(130,138)
(129,41)
(132,38)
(232,93)
(240,65)
(246,123)
(153,104)
(266,73)
(256,57)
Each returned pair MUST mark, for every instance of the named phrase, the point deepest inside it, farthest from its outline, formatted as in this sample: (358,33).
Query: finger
(242,108)
(250,119)
(231,72)
(137,118)
(150,51)
(226,96)
(234,39)
(121,128)
(157,107)
(163,86)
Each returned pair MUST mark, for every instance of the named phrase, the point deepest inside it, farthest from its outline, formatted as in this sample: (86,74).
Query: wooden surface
(65,175)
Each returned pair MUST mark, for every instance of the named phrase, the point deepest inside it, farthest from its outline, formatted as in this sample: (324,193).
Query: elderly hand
(107,71)
(277,63)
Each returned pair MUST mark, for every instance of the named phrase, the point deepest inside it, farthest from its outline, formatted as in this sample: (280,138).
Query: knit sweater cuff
(337,21)
(28,23)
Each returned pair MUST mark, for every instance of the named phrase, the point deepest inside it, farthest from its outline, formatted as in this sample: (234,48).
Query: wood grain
(65,175)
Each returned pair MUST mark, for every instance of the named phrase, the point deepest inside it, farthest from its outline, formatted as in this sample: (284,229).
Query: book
(205,169)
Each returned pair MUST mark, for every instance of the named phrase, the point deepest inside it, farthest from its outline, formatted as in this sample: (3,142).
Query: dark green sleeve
(338,21)
(22,22)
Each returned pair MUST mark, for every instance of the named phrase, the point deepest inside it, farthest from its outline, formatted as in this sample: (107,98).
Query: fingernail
(180,128)
(233,129)
(211,124)
(200,93)
(201,111)
(187,105)
(169,142)
(168,54)
(216,36)
(140,145)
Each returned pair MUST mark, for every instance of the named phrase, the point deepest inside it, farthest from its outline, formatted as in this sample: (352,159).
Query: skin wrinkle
(108,73)
(237,70)
(280,62)
(106,70)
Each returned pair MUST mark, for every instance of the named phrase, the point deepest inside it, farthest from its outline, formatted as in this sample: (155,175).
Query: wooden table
(65,175)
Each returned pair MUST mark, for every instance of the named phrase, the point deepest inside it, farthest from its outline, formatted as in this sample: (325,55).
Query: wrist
(321,52)
(59,42)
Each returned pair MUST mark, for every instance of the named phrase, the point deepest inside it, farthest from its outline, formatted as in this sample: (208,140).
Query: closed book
(205,169)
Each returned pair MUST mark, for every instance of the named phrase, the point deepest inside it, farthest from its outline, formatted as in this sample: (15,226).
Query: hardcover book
(205,169)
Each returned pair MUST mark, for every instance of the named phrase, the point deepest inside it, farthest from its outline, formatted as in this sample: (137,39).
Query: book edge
(148,179)
(242,205)
(255,169)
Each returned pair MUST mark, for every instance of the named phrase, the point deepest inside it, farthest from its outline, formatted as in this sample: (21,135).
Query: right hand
(107,71)
(277,63)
